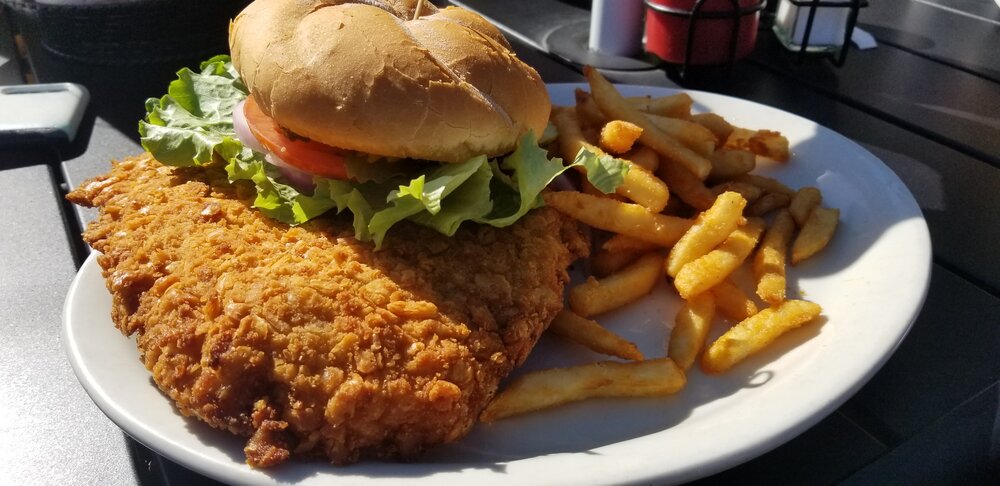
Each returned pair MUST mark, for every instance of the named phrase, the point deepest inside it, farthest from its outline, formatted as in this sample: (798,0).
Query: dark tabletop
(926,101)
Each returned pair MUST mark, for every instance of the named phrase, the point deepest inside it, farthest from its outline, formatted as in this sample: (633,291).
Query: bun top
(365,75)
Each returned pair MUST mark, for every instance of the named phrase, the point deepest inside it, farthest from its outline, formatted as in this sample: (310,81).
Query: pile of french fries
(690,210)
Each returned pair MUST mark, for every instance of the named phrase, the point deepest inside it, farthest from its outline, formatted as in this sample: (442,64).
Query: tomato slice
(303,154)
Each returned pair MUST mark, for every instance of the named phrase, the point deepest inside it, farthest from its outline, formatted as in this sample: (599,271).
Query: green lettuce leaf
(604,172)
(421,199)
(193,126)
(464,203)
(549,135)
(185,127)
(366,169)
(533,171)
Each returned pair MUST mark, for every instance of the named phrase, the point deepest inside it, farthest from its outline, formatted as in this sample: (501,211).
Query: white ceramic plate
(871,282)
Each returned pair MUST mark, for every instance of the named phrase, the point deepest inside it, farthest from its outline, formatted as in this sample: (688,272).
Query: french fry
(749,192)
(770,144)
(618,217)
(548,388)
(732,302)
(685,185)
(690,134)
(739,139)
(677,152)
(710,229)
(571,138)
(587,188)
(766,143)
(593,336)
(618,289)
(727,164)
(587,111)
(641,186)
(615,106)
(690,329)
(644,157)
(815,233)
(803,202)
(638,185)
(617,136)
(708,270)
(604,262)
(768,184)
(718,125)
(627,243)
(769,261)
(754,334)
(675,105)
(767,203)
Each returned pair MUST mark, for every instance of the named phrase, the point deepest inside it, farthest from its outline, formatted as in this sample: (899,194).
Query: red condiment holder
(721,30)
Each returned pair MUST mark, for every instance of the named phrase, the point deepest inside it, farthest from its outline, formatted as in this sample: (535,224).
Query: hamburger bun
(367,76)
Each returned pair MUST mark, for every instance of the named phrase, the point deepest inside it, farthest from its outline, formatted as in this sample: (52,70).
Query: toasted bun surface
(363,75)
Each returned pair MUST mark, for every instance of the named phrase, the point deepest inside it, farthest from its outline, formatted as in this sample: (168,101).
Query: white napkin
(863,39)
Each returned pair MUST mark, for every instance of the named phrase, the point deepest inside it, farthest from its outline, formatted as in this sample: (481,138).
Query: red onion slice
(243,132)
(297,178)
(562,182)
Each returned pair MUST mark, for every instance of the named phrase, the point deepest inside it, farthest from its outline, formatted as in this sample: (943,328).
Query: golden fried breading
(306,340)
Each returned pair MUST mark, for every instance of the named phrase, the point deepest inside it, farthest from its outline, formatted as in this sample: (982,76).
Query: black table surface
(926,102)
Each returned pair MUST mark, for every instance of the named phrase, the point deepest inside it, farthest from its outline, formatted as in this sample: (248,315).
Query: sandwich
(389,110)
(335,245)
